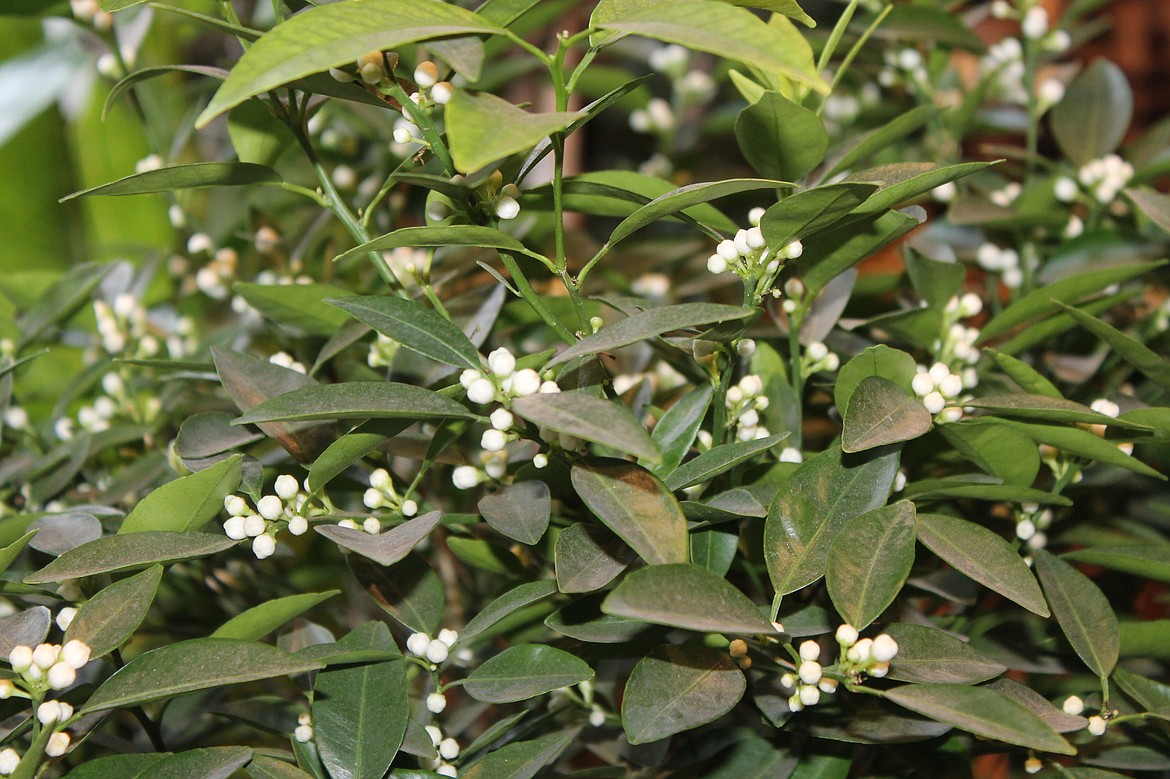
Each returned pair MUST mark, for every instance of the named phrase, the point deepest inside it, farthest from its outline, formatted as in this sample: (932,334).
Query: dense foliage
(639,388)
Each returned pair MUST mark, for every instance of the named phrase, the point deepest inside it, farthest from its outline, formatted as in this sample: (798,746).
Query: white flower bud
(465,477)
(502,419)
(372,72)
(549,388)
(525,382)
(726,249)
(755,215)
(934,402)
(884,648)
(597,718)
(790,454)
(270,507)
(58,744)
(878,670)
(922,384)
(298,526)
(435,734)
(501,362)
(349,524)
(816,351)
(1050,91)
(442,92)
(846,635)
(465,378)
(263,546)
(507,207)
(61,675)
(951,386)
(493,440)
(1097,725)
(75,654)
(945,193)
(746,347)
(45,655)
(1033,765)
(9,761)
(859,652)
(540,460)
(827,685)
(1025,529)
(1035,24)
(448,770)
(65,617)
(372,525)
(810,695)
(303,733)
(716,264)
(20,658)
(253,526)
(751,385)
(417,644)
(792,251)
(234,505)
(1073,705)
(49,713)
(436,702)
(426,74)
(448,637)
(449,749)
(809,672)
(810,650)
(403,135)
(287,486)
(481,391)
(795,704)
(436,652)
(970,304)
(372,498)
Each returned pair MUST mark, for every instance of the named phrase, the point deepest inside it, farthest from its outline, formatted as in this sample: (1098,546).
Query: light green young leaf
(781,139)
(1083,612)
(1029,379)
(1091,120)
(870,561)
(636,505)
(259,621)
(686,596)
(351,447)
(191,176)
(114,554)
(110,618)
(678,427)
(525,671)
(356,400)
(421,329)
(188,503)
(520,511)
(197,664)
(483,129)
(879,413)
(9,553)
(926,654)
(337,34)
(590,418)
(677,688)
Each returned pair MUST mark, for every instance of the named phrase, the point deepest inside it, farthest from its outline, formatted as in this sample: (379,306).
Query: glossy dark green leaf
(520,511)
(1023,374)
(904,181)
(675,432)
(879,413)
(1151,561)
(110,618)
(521,759)
(677,688)
(996,448)
(865,145)
(207,763)
(384,548)
(686,596)
(409,591)
(636,505)
(1044,301)
(822,766)
(1091,120)
(187,503)
(591,418)
(264,767)
(197,664)
(753,758)
(926,654)
(114,554)
(714,550)
(335,35)
(1084,444)
(868,722)
(588,557)
(415,327)
(619,193)
(483,129)
(495,558)
(959,489)
(350,448)
(509,603)
(525,671)
(819,499)
(984,556)
(719,460)
(583,620)
(1082,610)
(1042,408)
(259,621)
(191,176)
(360,712)
(132,766)
(1137,354)
(300,306)
(802,214)
(881,360)
(835,250)
(781,139)
(356,400)
(705,25)
(437,236)
(870,561)
(24,628)
(1153,696)
(982,712)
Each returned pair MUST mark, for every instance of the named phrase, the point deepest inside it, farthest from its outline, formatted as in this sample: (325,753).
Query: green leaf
(677,688)
(1154,205)
(901,182)
(753,757)
(9,553)
(832,252)
(142,74)
(984,556)
(525,671)
(1029,379)
(880,360)
(926,654)
(1137,354)
(583,620)
(360,713)
(880,412)
(1046,300)
(1042,408)
(520,511)
(686,596)
(333,35)
(350,448)
(870,561)
(298,306)
(1038,704)
(510,602)
(192,176)
(61,300)
(24,628)
(109,619)
(676,431)
(803,213)
(621,192)
(114,554)
(207,763)
(1091,120)
(521,759)
(781,139)
(410,591)
(197,664)
(1084,444)
(982,712)
(819,499)
(788,8)
(588,557)
(653,322)
(1083,612)
(997,448)
(591,418)
(706,25)
(356,400)
(211,433)
(960,489)
(259,621)
(868,144)
(930,23)
(484,128)
(415,327)
(935,281)
(1153,696)
(1151,561)
(384,548)
(187,503)
(116,766)
(1045,331)
(494,558)
(264,767)
(636,505)
(439,236)
(718,460)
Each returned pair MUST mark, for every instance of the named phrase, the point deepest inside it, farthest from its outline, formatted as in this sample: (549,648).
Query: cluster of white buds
(432,90)
(748,256)
(1035,27)
(304,730)
(448,749)
(1006,262)
(215,278)
(809,681)
(286,360)
(869,656)
(1075,706)
(289,508)
(939,388)
(434,650)
(1105,176)
(382,494)
(124,330)
(1109,409)
(904,68)
(691,88)
(657,118)
(1005,195)
(116,402)
(1004,62)
(47,666)
(90,12)
(745,400)
(1031,524)
(817,357)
